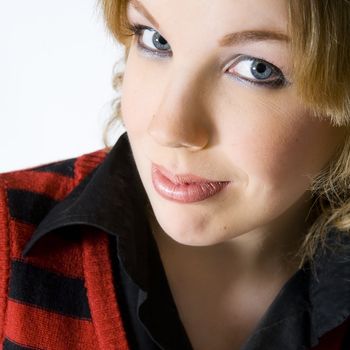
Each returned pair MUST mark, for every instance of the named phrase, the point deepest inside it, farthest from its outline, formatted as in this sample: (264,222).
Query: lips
(184,188)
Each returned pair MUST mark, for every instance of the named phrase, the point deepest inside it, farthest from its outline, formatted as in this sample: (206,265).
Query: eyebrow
(140,8)
(228,39)
(252,35)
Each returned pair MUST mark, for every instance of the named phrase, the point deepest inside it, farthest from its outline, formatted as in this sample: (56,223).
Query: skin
(190,113)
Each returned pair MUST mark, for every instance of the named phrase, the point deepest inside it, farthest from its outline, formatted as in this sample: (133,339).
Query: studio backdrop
(56,63)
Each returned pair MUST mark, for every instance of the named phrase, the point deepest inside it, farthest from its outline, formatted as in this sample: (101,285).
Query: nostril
(178,131)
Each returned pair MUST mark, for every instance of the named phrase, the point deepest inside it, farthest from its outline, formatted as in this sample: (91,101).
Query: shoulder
(27,195)
(75,168)
(52,181)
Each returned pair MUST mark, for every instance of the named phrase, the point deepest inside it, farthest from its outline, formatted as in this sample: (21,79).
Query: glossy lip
(184,188)
(181,178)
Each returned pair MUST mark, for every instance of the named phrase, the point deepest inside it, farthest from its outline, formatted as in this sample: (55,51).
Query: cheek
(139,94)
(278,148)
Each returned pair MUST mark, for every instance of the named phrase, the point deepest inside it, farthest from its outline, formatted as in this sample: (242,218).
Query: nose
(181,119)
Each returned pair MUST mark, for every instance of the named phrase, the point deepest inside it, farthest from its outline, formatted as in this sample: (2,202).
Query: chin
(187,231)
(192,239)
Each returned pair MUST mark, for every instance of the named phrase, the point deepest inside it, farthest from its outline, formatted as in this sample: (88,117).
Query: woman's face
(223,107)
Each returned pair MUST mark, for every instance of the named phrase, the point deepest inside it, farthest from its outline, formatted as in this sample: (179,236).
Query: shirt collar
(313,302)
(112,198)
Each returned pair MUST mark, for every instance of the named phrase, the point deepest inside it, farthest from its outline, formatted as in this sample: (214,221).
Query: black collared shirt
(112,198)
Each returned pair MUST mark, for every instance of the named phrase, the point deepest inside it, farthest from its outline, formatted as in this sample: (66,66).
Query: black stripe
(28,206)
(65,167)
(38,287)
(9,345)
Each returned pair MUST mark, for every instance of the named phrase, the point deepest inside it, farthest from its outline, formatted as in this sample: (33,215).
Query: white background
(56,64)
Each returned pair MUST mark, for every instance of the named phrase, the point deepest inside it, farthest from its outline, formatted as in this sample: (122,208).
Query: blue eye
(249,69)
(257,71)
(150,41)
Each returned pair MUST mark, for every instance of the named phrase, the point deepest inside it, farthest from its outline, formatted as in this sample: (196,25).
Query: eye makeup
(261,72)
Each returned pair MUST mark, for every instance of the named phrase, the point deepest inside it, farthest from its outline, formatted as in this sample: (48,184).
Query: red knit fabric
(4,256)
(52,331)
(86,163)
(102,297)
(55,186)
(30,325)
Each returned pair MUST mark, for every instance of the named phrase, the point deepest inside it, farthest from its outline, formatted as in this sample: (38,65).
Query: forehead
(218,14)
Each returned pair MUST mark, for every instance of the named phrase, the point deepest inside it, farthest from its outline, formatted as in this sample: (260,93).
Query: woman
(220,219)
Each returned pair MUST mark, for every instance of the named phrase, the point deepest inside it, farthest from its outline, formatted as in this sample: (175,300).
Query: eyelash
(280,82)
(137,31)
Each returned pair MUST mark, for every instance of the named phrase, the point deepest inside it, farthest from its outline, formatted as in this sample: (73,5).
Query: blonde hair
(320,47)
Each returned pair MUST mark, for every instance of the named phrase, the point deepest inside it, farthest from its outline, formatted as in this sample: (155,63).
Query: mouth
(184,188)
